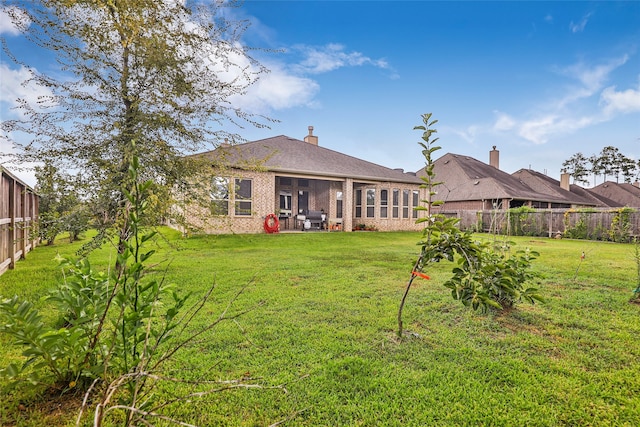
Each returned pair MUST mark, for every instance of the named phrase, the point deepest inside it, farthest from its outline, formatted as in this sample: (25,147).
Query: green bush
(485,277)
(109,324)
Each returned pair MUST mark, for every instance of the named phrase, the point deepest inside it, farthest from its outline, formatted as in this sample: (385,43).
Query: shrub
(485,276)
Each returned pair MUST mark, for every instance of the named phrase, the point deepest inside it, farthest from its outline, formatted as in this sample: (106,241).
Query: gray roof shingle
(466,178)
(542,183)
(289,155)
(622,194)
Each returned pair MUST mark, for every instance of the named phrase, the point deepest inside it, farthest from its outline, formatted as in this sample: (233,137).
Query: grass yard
(326,331)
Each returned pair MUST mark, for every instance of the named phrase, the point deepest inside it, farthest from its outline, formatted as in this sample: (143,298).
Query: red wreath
(271,224)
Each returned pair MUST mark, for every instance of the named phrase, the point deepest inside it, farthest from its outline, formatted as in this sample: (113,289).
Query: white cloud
(537,130)
(504,122)
(288,86)
(627,101)
(278,90)
(561,117)
(15,84)
(579,27)
(540,129)
(331,57)
(7,24)
(469,134)
(548,18)
(594,77)
(590,79)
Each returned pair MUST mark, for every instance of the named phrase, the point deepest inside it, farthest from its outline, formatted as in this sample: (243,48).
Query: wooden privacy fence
(19,207)
(613,224)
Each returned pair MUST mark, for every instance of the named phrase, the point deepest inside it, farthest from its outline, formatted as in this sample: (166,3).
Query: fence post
(12,223)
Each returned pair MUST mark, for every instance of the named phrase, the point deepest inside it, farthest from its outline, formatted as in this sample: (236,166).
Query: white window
(415,201)
(220,196)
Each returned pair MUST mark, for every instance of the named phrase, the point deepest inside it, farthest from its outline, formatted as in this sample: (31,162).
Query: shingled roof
(289,155)
(466,178)
(622,194)
(542,183)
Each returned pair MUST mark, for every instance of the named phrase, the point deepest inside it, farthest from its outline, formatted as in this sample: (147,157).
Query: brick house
(298,179)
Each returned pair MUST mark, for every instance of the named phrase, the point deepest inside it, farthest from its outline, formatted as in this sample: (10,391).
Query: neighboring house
(573,195)
(620,194)
(289,177)
(469,184)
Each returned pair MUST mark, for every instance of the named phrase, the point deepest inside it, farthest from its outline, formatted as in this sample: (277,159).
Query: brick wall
(474,205)
(266,189)
(390,223)
(263,202)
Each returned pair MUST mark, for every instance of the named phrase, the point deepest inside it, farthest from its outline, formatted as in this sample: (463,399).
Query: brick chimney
(564,181)
(494,158)
(311,139)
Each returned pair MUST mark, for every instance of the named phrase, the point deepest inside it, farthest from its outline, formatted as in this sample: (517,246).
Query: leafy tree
(61,207)
(160,73)
(627,168)
(609,161)
(576,165)
(596,167)
(485,276)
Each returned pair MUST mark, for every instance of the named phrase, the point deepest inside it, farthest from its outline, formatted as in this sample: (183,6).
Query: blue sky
(539,80)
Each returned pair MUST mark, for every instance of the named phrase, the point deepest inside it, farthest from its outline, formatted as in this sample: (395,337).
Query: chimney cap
(310,130)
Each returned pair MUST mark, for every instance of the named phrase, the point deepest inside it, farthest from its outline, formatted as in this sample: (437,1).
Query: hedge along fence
(612,224)
(19,208)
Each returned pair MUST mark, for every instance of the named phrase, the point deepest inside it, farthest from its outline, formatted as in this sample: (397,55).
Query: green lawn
(326,331)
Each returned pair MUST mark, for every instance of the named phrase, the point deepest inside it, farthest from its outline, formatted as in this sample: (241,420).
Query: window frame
(242,203)
(371,203)
(357,202)
(384,203)
(405,204)
(396,203)
(220,198)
